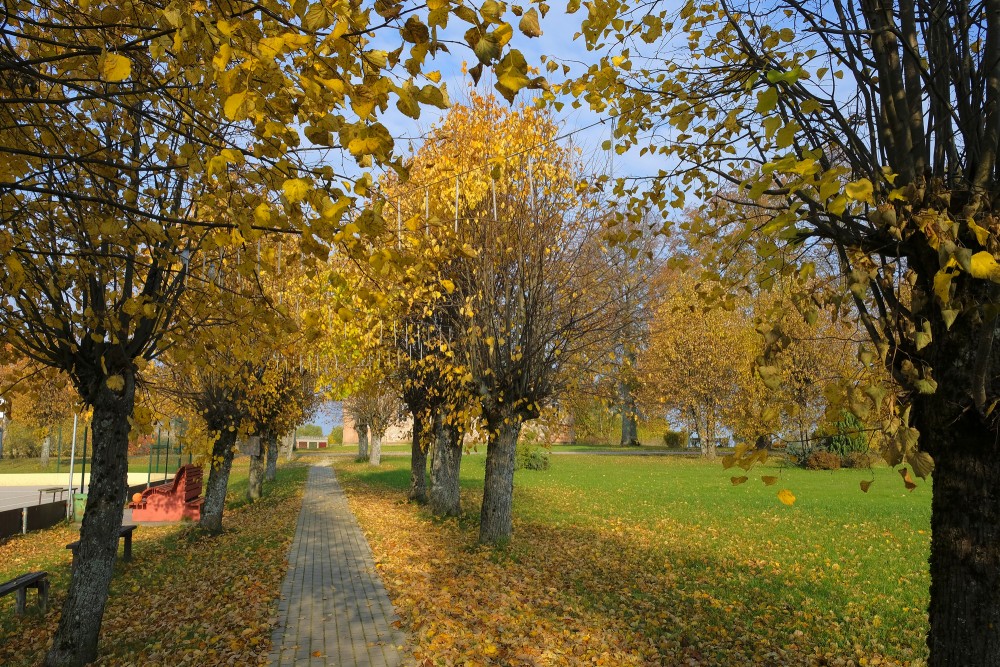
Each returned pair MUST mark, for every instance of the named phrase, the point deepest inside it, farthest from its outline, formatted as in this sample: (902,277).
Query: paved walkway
(333,609)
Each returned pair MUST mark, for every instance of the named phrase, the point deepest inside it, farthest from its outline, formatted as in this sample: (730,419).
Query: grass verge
(658,561)
(185,598)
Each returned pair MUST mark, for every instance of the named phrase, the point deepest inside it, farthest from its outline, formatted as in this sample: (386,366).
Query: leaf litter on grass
(186,598)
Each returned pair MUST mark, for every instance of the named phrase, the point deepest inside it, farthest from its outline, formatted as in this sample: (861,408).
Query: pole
(149,468)
(59,449)
(83,470)
(166,458)
(72,461)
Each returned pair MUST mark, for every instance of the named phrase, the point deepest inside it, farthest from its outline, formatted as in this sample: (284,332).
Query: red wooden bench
(181,499)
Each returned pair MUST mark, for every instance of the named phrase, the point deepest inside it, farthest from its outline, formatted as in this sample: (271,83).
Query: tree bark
(272,457)
(255,482)
(289,440)
(46,450)
(496,524)
(418,462)
(630,426)
(375,450)
(218,482)
(75,641)
(706,435)
(965,542)
(362,430)
(445,493)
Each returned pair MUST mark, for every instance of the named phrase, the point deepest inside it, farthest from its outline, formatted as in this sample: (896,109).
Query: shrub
(849,437)
(860,459)
(337,435)
(21,441)
(822,461)
(675,439)
(530,456)
(309,431)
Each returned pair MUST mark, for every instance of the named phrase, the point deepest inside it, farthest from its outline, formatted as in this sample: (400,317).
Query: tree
(125,130)
(524,277)
(377,406)
(700,361)
(283,398)
(313,430)
(39,398)
(876,125)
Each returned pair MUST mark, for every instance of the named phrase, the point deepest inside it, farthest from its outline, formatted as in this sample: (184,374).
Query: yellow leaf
(769,480)
(860,190)
(270,47)
(295,189)
(942,286)
(786,496)
(907,480)
(984,265)
(233,104)
(865,485)
(981,234)
(115,383)
(767,99)
(115,67)
(736,481)
(262,214)
(448,285)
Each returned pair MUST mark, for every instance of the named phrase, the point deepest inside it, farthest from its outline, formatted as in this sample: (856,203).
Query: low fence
(34,517)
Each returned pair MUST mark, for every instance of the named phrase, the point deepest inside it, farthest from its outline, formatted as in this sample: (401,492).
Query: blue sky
(556,41)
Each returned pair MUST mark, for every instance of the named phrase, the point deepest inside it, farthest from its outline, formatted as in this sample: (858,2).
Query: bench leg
(127,556)
(43,595)
(21,594)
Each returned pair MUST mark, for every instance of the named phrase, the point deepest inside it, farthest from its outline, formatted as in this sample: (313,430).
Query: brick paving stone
(333,608)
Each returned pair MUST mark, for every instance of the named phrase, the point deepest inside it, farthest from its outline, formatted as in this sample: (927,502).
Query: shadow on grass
(660,597)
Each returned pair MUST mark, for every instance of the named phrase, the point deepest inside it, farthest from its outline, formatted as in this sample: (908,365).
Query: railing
(32,517)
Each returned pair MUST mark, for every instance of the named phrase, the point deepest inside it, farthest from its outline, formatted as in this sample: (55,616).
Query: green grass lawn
(135,464)
(840,572)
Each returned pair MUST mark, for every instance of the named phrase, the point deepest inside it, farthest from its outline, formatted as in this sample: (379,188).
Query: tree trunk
(630,426)
(255,482)
(713,438)
(965,540)
(272,457)
(218,482)
(706,435)
(289,441)
(445,492)
(418,462)
(75,641)
(375,451)
(496,523)
(46,450)
(362,430)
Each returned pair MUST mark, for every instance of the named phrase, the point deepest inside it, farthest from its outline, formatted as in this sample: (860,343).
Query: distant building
(306,442)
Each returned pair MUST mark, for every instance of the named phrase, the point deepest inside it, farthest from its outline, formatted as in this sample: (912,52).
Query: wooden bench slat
(20,585)
(22,581)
